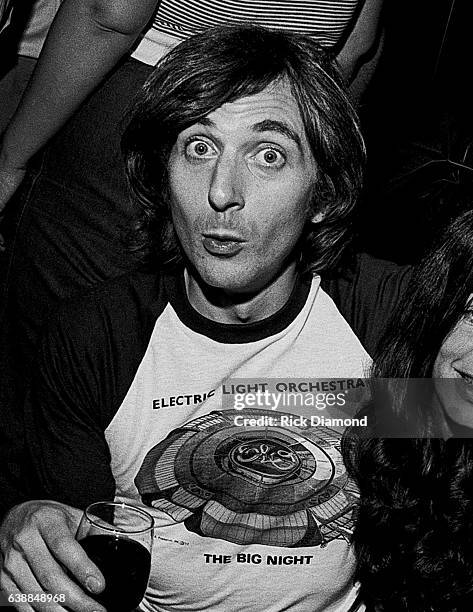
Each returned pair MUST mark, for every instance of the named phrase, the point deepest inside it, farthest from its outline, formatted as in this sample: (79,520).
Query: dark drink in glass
(125,565)
(118,538)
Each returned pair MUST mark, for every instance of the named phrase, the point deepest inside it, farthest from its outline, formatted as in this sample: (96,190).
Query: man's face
(241,182)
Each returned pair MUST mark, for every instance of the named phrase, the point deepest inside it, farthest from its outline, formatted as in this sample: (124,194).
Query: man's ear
(318,217)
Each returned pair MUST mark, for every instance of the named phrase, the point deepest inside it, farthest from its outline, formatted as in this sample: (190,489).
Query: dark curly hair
(414,533)
(222,65)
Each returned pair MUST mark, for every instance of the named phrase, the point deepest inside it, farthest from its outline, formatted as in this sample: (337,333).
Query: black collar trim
(234,333)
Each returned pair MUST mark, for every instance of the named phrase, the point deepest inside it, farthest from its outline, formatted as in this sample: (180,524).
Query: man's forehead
(273,109)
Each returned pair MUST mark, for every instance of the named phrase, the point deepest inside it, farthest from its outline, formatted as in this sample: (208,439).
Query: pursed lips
(224,236)
(222,243)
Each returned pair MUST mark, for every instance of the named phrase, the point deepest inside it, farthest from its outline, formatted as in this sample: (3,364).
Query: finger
(73,557)
(29,587)
(55,580)
(10,589)
(47,576)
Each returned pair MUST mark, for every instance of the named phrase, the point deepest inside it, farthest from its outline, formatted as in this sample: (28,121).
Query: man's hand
(41,556)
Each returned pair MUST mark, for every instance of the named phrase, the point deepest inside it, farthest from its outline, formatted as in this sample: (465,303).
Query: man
(246,156)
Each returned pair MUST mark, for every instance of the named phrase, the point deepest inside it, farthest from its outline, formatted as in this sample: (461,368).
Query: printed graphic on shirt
(270,485)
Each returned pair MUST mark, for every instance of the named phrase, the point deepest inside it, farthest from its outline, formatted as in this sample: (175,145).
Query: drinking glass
(118,538)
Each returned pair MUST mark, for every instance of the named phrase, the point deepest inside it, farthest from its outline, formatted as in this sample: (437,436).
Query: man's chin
(231,284)
(239,278)
(226,277)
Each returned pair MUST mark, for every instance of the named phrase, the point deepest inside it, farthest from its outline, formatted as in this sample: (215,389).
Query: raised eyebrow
(206,121)
(273,125)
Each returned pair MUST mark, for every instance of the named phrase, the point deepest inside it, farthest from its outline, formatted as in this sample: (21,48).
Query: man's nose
(226,185)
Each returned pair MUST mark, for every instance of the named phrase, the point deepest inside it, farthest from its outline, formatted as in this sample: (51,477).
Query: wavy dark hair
(414,534)
(222,65)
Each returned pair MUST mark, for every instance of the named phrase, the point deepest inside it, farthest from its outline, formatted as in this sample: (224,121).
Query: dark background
(417,119)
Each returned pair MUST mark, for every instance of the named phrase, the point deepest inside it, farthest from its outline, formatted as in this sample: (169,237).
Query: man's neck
(225,307)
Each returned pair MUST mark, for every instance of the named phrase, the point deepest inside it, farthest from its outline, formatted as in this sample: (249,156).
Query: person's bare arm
(362,40)
(86,39)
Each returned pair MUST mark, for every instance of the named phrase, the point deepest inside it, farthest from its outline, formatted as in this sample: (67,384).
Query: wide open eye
(197,149)
(270,158)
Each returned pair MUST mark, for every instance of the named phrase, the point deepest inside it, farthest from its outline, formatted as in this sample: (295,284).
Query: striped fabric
(175,20)
(326,20)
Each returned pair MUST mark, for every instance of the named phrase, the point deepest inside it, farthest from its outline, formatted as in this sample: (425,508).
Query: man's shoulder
(121,312)
(368,268)
(94,343)
(366,293)
(367,278)
(115,300)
